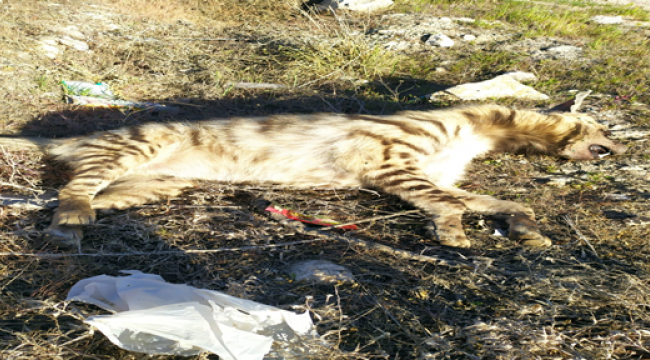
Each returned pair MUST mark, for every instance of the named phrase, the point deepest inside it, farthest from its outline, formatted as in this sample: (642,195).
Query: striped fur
(418,156)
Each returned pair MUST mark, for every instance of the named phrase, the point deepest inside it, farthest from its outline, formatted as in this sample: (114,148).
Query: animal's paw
(77,215)
(64,236)
(449,236)
(524,229)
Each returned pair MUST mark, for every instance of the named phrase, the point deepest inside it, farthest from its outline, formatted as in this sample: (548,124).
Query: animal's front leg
(521,220)
(446,210)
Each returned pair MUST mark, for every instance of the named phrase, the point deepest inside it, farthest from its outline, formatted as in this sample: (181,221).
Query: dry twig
(582,237)
(371,219)
(169,252)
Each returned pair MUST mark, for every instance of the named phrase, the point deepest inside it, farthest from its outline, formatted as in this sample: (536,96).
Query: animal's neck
(522,131)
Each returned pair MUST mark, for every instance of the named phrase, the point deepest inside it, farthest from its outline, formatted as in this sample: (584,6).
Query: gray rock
(502,86)
(440,40)
(72,43)
(320,271)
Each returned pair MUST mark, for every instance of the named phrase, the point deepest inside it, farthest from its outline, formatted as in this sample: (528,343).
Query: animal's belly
(300,174)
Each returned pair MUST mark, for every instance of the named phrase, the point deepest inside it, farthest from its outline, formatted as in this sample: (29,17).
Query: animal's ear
(572,105)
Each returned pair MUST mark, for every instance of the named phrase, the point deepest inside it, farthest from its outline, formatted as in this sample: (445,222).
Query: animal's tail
(28,143)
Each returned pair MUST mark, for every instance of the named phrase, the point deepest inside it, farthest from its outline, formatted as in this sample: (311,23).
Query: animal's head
(587,139)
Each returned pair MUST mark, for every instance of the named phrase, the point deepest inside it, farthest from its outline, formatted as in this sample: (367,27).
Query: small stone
(607,20)
(75,44)
(71,31)
(629,134)
(465,20)
(468,37)
(559,181)
(440,70)
(632,168)
(354,5)
(440,40)
(563,49)
(321,271)
(397,45)
(618,197)
(49,49)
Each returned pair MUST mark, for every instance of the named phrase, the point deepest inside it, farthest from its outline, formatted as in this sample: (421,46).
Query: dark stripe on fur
(405,127)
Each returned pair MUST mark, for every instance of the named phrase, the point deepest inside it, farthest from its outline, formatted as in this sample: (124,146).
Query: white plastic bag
(156,317)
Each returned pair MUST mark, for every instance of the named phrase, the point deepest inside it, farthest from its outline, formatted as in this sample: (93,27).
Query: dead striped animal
(418,156)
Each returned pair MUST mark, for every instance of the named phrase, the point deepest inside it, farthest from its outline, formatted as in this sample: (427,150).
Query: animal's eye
(607,132)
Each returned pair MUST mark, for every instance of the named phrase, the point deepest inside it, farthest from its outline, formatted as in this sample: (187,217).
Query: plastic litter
(99,90)
(100,95)
(308,219)
(155,317)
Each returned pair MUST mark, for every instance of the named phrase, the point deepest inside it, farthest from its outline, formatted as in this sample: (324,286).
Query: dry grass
(505,302)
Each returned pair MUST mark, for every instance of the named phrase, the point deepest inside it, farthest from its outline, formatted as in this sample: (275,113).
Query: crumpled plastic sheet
(156,317)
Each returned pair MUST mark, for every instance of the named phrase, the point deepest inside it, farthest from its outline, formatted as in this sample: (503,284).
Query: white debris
(502,86)
(468,37)
(354,5)
(321,271)
(500,232)
(156,317)
(522,76)
(607,20)
(75,44)
(440,40)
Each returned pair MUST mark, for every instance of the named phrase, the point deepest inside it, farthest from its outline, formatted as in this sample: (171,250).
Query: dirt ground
(586,297)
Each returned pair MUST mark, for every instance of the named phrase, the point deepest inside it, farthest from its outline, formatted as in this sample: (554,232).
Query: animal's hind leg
(137,190)
(96,162)
(520,218)
(122,194)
